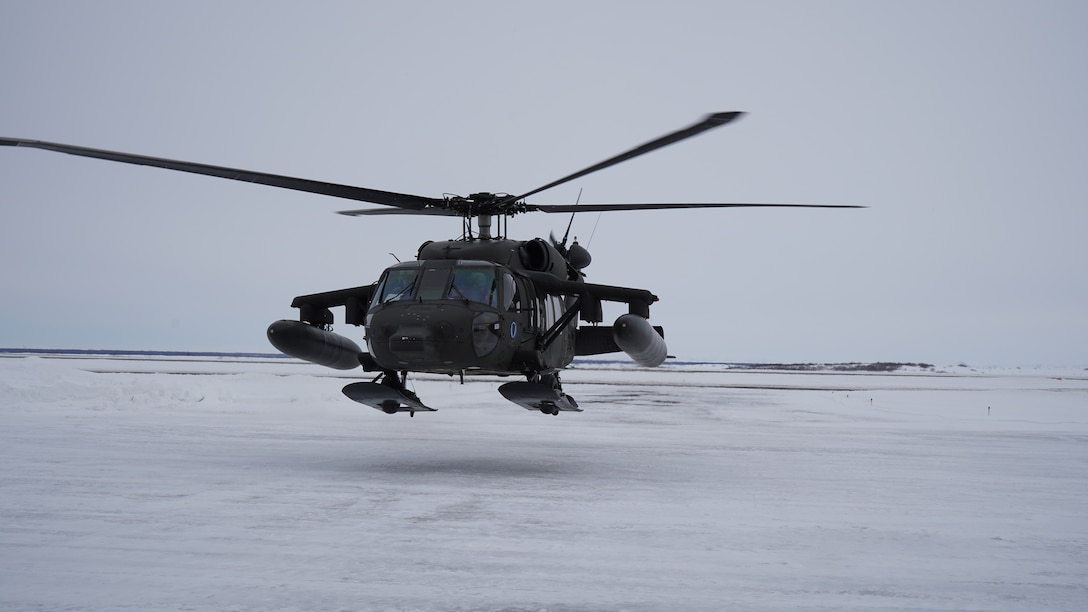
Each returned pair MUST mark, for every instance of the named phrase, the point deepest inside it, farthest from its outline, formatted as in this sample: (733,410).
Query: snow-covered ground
(218,485)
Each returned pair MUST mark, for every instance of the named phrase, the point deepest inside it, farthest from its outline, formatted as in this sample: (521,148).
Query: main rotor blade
(443,212)
(565,208)
(362,194)
(708,122)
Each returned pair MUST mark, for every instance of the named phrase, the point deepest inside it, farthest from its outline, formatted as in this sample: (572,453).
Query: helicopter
(482,304)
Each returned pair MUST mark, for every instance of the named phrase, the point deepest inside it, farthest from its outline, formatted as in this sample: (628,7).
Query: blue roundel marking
(513,329)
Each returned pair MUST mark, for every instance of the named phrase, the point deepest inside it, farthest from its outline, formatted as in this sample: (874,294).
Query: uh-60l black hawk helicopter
(482,304)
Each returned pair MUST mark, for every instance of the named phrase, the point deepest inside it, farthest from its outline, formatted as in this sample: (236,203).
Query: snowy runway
(256,486)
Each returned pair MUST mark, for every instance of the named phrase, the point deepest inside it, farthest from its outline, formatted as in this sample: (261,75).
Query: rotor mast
(483,224)
(484,208)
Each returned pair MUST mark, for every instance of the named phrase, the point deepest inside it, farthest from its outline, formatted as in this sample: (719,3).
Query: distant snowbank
(863,368)
(22,352)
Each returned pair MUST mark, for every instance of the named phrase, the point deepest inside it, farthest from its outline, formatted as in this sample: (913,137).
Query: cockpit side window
(510,298)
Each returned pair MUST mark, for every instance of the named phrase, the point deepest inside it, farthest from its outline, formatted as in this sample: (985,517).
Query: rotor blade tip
(723,118)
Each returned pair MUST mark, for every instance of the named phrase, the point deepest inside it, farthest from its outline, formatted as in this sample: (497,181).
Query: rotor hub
(484,203)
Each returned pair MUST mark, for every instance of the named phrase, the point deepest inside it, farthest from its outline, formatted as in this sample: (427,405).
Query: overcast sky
(960,124)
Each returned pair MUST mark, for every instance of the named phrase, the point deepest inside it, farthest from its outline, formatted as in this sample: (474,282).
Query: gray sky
(960,124)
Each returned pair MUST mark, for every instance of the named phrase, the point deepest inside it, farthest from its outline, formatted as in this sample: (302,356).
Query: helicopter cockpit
(445,315)
(481,282)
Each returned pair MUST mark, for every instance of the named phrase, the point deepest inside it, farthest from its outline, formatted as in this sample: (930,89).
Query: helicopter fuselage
(464,316)
(474,306)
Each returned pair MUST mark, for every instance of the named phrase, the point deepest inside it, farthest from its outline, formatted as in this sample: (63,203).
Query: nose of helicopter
(443,337)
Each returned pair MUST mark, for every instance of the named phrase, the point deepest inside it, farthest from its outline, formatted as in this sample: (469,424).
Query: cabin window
(551,309)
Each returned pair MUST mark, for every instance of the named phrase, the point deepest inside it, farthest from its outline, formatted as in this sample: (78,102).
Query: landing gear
(387,393)
(551,380)
(542,391)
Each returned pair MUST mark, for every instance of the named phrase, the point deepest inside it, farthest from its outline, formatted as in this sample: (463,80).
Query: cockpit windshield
(474,285)
(470,282)
(399,285)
